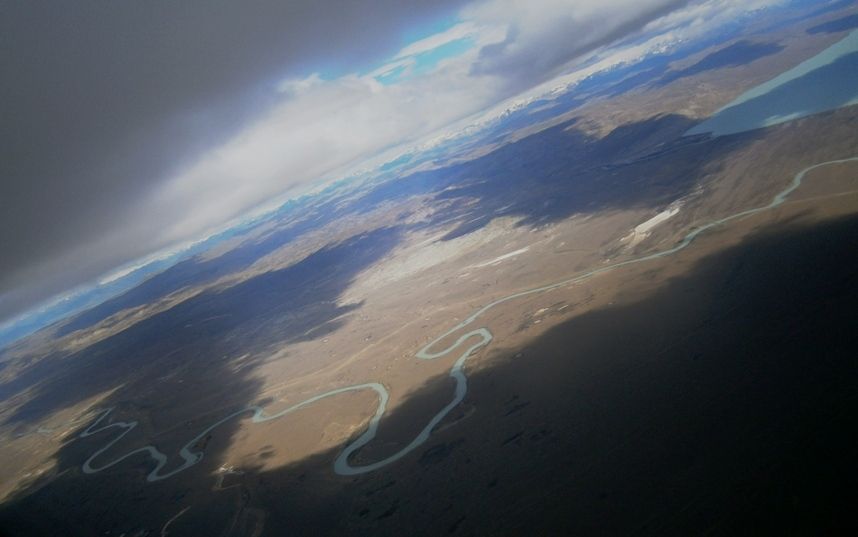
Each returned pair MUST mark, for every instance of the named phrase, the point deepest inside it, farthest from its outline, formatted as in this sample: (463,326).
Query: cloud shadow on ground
(198,340)
(722,402)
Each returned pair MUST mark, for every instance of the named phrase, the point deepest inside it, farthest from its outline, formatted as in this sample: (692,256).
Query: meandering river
(465,346)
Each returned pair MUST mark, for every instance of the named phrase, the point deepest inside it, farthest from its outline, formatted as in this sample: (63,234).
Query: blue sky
(426,61)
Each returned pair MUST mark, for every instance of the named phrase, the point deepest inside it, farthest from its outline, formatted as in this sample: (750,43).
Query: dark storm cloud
(525,58)
(102,100)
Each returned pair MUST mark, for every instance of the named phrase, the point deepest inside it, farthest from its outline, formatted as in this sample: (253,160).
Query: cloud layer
(104,102)
(133,127)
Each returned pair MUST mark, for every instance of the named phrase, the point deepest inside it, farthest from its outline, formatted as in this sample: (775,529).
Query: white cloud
(455,33)
(388,68)
(322,128)
(542,37)
(701,16)
(311,135)
(297,86)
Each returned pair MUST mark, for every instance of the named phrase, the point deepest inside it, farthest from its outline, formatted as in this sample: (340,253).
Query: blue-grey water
(825,82)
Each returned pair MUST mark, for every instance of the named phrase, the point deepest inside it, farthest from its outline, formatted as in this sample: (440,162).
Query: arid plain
(681,394)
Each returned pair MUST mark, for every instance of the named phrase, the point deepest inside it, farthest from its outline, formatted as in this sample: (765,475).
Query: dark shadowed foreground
(721,404)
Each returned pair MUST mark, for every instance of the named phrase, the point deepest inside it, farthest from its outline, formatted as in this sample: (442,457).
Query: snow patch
(499,259)
(642,231)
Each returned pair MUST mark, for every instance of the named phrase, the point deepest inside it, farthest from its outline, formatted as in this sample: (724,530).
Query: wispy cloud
(459,31)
